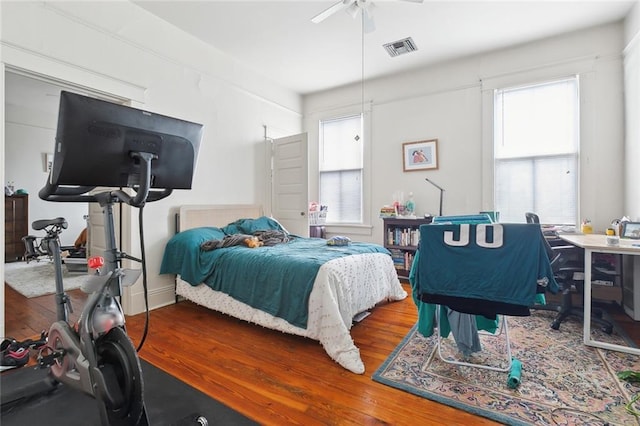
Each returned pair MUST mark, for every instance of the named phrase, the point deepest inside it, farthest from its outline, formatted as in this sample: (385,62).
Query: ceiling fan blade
(414,1)
(342,4)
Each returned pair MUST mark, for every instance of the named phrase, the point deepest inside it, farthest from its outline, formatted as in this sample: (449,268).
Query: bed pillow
(250,226)
(186,245)
(233,228)
(196,236)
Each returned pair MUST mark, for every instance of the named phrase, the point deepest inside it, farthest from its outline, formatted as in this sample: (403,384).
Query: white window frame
(572,155)
(582,67)
(312,124)
(348,170)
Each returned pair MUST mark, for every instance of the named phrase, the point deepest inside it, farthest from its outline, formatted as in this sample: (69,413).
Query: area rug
(38,278)
(562,380)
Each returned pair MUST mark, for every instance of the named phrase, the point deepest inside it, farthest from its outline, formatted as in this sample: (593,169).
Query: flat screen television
(95,140)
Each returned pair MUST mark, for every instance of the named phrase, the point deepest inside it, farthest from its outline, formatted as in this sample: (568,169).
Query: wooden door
(290,201)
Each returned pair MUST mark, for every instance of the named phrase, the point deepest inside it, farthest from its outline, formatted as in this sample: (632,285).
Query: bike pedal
(45,361)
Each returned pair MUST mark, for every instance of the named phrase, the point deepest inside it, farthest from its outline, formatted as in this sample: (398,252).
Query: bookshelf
(401,237)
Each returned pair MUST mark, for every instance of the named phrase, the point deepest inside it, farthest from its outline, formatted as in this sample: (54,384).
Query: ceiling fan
(353,8)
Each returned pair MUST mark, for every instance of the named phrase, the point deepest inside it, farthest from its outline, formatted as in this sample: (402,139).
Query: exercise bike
(95,355)
(34,250)
(102,144)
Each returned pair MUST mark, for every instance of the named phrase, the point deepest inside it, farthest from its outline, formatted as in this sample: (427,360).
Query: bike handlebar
(79,194)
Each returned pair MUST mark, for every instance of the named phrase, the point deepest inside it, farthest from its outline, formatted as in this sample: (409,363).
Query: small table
(597,243)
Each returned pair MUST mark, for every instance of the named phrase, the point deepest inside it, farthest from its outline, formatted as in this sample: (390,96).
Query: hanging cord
(362,71)
(144,279)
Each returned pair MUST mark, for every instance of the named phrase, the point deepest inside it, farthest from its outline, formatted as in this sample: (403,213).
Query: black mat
(168,401)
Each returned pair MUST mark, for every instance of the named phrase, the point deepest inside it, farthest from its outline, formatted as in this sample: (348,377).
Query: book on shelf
(387,211)
(402,260)
(400,236)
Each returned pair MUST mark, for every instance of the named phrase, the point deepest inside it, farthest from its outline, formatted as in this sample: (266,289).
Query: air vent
(400,47)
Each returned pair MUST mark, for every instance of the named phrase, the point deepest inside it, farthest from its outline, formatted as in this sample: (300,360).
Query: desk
(597,243)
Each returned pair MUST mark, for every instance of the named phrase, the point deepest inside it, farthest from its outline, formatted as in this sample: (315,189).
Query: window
(341,168)
(536,139)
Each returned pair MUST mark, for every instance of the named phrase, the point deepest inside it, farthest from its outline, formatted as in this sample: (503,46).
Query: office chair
(532,217)
(566,260)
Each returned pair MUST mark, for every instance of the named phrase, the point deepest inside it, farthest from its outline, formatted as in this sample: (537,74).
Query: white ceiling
(278,39)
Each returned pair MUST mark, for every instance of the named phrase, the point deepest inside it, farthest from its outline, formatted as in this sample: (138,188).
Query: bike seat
(43,223)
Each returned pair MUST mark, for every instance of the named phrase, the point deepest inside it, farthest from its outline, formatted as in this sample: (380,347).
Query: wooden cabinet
(16,226)
(401,238)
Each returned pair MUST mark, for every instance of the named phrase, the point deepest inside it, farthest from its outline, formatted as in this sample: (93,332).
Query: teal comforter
(277,279)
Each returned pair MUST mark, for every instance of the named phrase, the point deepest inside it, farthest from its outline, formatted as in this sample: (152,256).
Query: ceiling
(278,39)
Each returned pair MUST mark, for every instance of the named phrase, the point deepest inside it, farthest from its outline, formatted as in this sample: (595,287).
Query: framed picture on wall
(421,155)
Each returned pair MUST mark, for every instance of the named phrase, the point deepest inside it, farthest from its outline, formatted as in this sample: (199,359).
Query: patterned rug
(35,279)
(563,382)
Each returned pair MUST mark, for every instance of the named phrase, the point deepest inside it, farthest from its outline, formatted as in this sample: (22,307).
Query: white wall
(29,135)
(446,102)
(632,106)
(118,48)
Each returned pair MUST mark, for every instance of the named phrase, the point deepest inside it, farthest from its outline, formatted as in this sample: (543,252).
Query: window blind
(536,140)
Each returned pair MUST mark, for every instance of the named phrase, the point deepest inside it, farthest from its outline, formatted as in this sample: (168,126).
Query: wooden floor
(271,377)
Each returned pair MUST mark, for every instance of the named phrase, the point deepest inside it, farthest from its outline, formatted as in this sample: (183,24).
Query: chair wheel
(555,325)
(607,329)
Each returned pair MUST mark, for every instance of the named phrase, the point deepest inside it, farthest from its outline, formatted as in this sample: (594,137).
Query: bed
(340,288)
